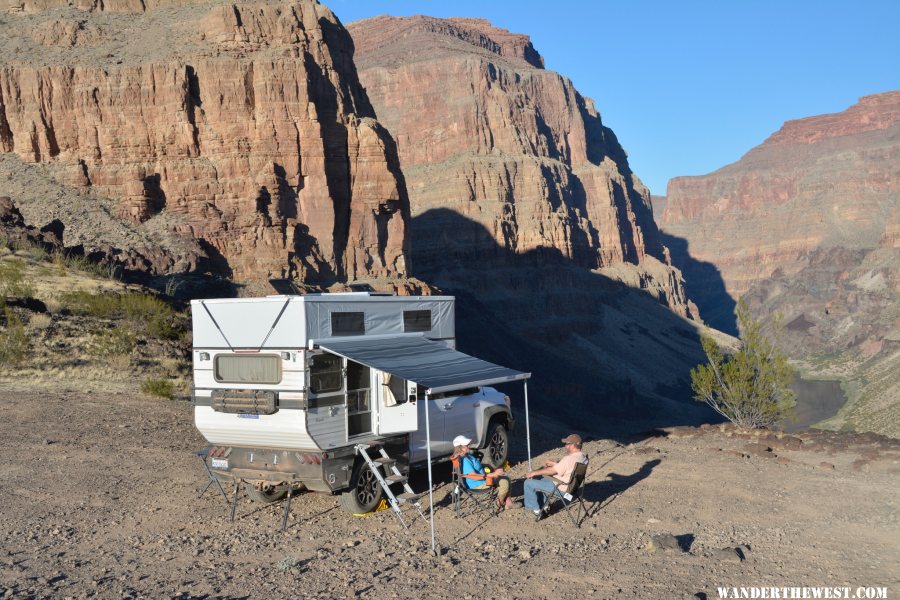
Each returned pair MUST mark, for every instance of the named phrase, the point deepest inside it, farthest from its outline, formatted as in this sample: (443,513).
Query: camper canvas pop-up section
(287,388)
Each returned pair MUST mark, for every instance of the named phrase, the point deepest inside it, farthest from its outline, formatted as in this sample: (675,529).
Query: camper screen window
(248,368)
(325,373)
(348,323)
(416,320)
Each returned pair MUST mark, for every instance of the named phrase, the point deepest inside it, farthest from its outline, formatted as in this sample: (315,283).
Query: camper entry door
(340,400)
(396,407)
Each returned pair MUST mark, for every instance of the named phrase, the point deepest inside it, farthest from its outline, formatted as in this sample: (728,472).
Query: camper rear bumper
(316,470)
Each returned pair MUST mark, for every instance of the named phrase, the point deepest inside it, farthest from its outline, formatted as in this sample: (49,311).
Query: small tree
(750,388)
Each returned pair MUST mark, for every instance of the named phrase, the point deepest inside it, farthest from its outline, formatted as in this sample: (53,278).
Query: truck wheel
(365,492)
(267,495)
(497,450)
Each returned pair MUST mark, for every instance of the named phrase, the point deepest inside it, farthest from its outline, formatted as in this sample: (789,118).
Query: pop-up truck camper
(289,389)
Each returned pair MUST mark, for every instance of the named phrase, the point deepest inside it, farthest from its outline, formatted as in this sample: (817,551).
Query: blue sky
(691,86)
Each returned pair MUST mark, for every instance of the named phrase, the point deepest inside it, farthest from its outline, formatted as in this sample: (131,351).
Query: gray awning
(429,364)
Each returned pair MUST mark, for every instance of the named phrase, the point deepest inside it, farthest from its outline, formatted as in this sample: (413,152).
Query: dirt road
(99,499)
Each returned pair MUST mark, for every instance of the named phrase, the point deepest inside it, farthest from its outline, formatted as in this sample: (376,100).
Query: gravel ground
(99,499)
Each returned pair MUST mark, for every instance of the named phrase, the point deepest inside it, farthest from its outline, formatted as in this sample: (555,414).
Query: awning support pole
(430,486)
(527,424)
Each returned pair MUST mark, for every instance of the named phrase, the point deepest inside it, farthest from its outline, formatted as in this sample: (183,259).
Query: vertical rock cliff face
(244,122)
(807,225)
(478,124)
(484,131)
(820,182)
(524,206)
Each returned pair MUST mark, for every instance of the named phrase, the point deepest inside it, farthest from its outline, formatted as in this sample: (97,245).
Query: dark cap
(573,438)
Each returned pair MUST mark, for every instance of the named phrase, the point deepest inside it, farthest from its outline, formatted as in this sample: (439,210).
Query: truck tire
(267,495)
(496,449)
(365,492)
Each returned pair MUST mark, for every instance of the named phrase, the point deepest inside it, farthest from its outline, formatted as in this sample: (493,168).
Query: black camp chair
(468,501)
(574,495)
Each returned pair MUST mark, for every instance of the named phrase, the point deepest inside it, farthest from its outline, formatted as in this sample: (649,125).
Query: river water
(816,400)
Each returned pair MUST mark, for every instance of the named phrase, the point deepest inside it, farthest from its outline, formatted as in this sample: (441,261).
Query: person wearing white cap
(474,476)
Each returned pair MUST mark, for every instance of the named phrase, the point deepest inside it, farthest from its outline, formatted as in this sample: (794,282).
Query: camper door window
(326,373)
(248,368)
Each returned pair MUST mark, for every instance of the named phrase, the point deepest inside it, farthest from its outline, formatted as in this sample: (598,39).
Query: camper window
(325,373)
(248,368)
(348,323)
(416,320)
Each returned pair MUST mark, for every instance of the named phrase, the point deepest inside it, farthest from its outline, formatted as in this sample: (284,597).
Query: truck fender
(485,418)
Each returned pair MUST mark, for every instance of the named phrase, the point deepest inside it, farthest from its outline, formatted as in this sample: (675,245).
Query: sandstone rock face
(244,123)
(806,226)
(523,205)
(483,130)
(820,182)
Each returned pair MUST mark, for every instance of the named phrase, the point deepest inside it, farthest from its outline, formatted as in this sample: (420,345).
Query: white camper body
(285,387)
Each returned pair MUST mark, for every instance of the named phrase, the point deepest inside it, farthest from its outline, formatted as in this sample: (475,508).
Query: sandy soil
(99,499)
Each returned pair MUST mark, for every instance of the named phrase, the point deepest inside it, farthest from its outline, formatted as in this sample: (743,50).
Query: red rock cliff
(524,206)
(246,121)
(807,226)
(483,131)
(821,182)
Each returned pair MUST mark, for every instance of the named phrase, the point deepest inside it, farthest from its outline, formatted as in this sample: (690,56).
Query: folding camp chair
(574,494)
(483,498)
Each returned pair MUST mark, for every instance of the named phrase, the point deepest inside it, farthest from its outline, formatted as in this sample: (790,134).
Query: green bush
(12,280)
(115,341)
(750,388)
(101,306)
(144,308)
(13,340)
(31,249)
(163,388)
(146,313)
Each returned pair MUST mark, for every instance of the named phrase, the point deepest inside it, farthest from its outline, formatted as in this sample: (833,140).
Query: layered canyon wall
(242,132)
(807,226)
(483,130)
(244,125)
(524,206)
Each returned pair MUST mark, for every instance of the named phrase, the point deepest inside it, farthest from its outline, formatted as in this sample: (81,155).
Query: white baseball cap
(461,440)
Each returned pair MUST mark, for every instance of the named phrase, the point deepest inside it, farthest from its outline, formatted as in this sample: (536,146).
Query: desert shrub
(163,388)
(157,316)
(148,313)
(750,388)
(113,342)
(13,340)
(58,258)
(292,564)
(39,321)
(30,249)
(12,280)
(101,306)
(172,286)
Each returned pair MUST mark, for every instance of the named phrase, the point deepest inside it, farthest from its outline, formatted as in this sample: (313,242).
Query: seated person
(474,476)
(537,488)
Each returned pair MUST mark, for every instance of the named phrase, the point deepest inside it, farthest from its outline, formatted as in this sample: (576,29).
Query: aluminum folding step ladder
(396,501)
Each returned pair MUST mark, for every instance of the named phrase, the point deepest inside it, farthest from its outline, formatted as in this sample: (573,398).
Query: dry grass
(14,342)
(99,330)
(13,282)
(39,322)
